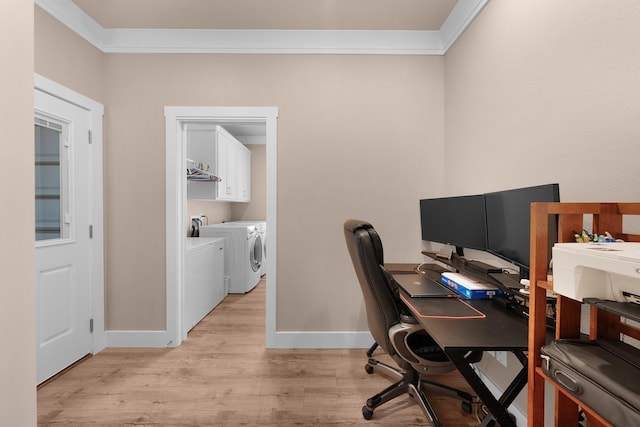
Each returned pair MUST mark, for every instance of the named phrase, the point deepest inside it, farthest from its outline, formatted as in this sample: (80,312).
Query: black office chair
(395,330)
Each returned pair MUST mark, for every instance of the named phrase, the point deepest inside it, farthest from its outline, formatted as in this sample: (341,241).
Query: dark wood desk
(494,329)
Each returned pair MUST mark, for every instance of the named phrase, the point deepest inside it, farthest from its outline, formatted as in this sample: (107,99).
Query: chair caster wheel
(466,407)
(369,369)
(367,413)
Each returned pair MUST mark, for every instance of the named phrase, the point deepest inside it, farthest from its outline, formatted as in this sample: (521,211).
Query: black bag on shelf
(604,374)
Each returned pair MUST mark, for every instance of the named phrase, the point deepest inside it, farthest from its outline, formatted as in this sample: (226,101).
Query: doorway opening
(176,202)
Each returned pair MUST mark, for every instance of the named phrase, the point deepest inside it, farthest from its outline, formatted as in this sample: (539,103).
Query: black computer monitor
(509,218)
(458,221)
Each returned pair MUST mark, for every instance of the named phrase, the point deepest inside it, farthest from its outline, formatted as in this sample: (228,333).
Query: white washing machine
(243,254)
(261,228)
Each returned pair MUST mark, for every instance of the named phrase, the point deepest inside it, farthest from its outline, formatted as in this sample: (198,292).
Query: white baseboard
(160,339)
(322,340)
(140,339)
(289,339)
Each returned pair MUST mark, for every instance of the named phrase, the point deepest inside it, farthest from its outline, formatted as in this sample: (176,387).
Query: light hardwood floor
(222,375)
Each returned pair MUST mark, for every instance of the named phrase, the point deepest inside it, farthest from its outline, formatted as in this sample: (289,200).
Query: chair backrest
(365,247)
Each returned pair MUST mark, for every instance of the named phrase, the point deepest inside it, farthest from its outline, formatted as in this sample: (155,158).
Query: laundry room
(225,212)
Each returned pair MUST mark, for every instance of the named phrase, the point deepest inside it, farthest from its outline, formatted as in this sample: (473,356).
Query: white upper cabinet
(228,161)
(244,174)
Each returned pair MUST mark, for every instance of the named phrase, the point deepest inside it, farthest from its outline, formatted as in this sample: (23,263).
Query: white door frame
(96,219)
(176,202)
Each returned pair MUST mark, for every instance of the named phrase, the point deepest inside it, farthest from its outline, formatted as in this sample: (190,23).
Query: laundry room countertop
(194,243)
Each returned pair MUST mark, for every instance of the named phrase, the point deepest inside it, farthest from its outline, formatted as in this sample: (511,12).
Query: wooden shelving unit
(603,323)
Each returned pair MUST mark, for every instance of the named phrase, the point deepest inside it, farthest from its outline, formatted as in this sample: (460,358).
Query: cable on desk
(437,268)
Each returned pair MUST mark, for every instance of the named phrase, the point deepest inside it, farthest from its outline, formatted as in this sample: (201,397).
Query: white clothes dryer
(261,228)
(243,254)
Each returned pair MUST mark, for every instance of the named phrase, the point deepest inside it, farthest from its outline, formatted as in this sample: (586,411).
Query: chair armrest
(407,318)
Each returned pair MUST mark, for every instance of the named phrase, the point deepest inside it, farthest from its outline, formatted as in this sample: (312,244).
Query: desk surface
(497,330)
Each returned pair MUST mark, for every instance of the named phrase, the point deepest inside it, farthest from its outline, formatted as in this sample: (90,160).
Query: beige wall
(357,137)
(62,56)
(533,94)
(546,91)
(17,254)
(536,91)
(214,211)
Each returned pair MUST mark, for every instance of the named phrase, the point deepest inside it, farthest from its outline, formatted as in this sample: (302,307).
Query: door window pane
(48,170)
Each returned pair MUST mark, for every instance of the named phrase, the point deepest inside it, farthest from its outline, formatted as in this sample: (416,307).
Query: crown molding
(274,42)
(76,19)
(458,20)
(315,42)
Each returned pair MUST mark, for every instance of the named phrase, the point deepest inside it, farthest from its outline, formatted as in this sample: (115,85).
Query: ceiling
(318,27)
(426,15)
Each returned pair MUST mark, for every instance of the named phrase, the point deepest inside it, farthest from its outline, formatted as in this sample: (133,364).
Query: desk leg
(497,407)
(518,383)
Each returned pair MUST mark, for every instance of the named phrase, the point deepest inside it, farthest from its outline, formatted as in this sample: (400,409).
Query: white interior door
(63,250)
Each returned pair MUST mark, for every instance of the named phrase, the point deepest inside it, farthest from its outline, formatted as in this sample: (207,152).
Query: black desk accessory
(482,267)
(629,310)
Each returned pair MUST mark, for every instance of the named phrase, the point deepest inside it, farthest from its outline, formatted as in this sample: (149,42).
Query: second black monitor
(508,221)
